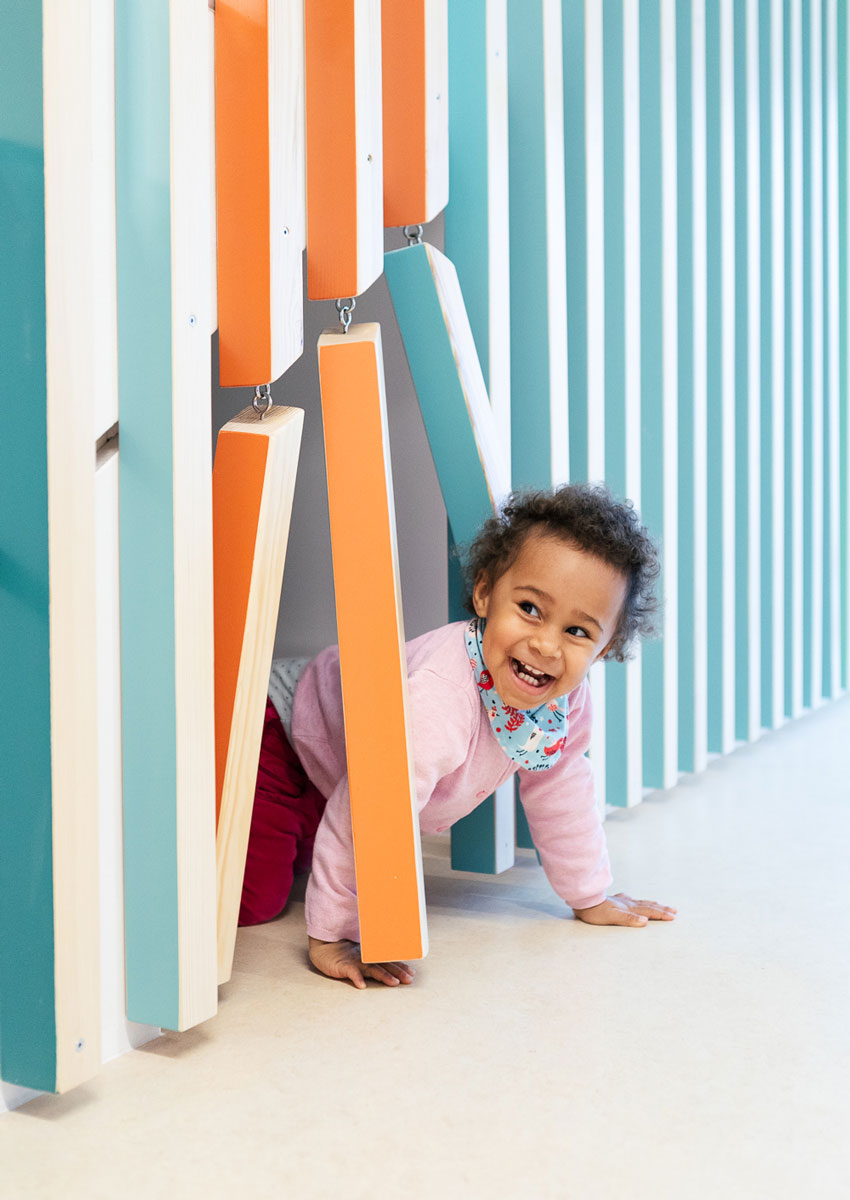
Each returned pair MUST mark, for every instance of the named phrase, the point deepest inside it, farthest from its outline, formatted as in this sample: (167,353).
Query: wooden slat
(477,230)
(256,460)
(49,918)
(162,166)
(415,109)
(471,467)
(345,238)
(259,166)
(371,644)
(832,427)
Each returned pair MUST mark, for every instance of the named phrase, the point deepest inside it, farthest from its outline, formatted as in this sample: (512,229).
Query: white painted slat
(754,464)
(777,302)
(814,247)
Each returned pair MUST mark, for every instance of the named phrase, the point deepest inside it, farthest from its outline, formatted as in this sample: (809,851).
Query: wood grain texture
(414,47)
(344,146)
(253,485)
(259,187)
(371,642)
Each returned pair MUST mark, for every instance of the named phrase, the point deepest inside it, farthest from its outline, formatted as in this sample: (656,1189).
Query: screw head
(80,1045)
(368,158)
(286,231)
(192,319)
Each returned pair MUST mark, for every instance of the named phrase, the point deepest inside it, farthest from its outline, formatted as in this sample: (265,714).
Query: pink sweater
(458,762)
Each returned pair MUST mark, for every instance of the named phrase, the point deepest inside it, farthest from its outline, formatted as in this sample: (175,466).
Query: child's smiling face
(549,617)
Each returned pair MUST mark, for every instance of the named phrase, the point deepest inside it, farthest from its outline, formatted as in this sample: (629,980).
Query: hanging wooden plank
(162,169)
(49,917)
(259,168)
(384,816)
(415,109)
(345,233)
(256,460)
(470,460)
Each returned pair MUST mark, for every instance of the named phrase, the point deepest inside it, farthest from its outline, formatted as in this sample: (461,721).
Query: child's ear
(481,595)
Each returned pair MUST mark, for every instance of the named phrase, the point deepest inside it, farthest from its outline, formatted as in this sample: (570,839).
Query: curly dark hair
(586,516)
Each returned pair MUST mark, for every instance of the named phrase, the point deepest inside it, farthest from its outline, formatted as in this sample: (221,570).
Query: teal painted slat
(616,711)
(531,456)
(455,452)
(27,991)
(792,617)
(685,495)
(714,383)
(743,549)
(143,213)
(651,379)
(808,495)
(768,465)
(843,319)
(828,684)
(466,220)
(575,154)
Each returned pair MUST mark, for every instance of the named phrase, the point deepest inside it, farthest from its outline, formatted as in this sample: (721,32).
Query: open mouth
(529,675)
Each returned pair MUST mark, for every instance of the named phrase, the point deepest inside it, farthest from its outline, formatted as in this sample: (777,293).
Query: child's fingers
(379,971)
(352,971)
(402,972)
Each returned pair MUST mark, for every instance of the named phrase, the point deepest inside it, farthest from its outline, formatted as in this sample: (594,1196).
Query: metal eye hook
(413,233)
(262,401)
(345,308)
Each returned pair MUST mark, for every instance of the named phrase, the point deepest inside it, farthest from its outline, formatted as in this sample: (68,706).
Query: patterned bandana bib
(533,738)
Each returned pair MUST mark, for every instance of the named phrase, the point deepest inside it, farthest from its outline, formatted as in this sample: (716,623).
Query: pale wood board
(282,428)
(191,429)
(69,121)
(368,136)
(287,232)
(436,107)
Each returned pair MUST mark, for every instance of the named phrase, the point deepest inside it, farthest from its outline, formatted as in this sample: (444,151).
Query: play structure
(643,278)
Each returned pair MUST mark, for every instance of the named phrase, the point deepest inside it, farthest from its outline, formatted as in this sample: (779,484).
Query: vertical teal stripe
(808,495)
(792,617)
(143,192)
(743,549)
(843,268)
(467,214)
(684,149)
(27,997)
(616,716)
(768,466)
(825,649)
(714,378)
(651,374)
(530,426)
(575,154)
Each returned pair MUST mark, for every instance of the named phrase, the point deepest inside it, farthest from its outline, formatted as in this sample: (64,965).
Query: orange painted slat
(238,477)
(242,190)
(253,484)
(259,111)
(344,152)
(371,641)
(403,57)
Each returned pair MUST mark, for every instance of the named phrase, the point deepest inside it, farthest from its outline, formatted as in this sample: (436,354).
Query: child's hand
(623,910)
(341,960)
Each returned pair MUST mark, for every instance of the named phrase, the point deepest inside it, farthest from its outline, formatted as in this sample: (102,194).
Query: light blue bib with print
(533,738)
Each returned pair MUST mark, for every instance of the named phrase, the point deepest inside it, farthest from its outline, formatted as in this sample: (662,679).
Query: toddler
(559,580)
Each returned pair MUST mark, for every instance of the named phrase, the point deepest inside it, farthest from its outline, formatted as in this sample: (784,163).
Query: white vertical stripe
(754,363)
(498,225)
(595,196)
(815,168)
(699,218)
(777,128)
(670,385)
(727,499)
(796,221)
(833,498)
(556,238)
(631,218)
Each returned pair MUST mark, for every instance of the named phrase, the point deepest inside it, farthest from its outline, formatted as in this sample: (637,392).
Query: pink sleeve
(560,805)
(441,722)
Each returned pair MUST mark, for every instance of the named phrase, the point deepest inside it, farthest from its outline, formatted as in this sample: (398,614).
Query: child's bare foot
(341,960)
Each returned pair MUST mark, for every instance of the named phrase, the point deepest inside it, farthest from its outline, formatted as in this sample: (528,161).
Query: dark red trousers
(287,811)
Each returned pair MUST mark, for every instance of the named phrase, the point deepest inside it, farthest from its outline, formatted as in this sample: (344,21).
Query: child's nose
(545,642)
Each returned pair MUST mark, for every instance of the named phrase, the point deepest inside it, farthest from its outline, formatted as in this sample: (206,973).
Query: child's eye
(528,607)
(577,631)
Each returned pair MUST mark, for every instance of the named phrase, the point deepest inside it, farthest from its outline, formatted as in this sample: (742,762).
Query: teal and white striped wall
(706,312)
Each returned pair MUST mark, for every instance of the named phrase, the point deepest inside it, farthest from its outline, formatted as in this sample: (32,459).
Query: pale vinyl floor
(534,1056)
